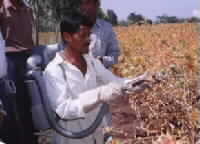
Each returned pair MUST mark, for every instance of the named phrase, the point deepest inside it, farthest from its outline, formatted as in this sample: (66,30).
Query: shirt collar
(59,59)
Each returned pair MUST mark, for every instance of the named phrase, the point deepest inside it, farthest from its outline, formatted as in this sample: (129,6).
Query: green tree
(123,23)
(47,13)
(193,20)
(134,18)
(167,19)
(101,14)
(112,17)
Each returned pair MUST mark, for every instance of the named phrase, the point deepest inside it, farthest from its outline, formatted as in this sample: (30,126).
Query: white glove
(106,93)
(110,92)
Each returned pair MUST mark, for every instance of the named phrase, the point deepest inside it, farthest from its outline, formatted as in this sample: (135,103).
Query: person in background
(16,23)
(103,45)
(72,86)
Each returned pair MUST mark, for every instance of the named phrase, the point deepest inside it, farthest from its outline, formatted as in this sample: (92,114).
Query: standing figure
(71,81)
(104,44)
(16,23)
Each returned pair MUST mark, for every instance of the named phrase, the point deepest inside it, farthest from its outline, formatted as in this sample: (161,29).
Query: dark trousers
(18,127)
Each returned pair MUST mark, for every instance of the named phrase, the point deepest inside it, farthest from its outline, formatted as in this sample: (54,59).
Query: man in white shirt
(72,82)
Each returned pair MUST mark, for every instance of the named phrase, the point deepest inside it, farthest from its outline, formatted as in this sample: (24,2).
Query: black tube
(53,122)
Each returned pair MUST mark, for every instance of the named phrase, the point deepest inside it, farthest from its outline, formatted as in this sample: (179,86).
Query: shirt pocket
(75,83)
(91,76)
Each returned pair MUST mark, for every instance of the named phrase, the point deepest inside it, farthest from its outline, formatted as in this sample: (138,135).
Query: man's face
(80,40)
(90,7)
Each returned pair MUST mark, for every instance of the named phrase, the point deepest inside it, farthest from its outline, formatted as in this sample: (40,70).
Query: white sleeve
(3,61)
(62,103)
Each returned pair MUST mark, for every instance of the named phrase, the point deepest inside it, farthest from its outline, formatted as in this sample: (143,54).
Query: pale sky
(153,8)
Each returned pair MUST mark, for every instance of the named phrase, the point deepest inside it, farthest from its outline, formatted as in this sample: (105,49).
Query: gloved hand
(138,84)
(113,90)
(110,92)
(106,93)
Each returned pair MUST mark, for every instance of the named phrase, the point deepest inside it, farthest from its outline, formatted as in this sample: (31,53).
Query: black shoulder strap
(65,77)
(63,71)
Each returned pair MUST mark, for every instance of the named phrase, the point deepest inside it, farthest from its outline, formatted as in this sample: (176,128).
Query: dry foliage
(171,107)
(168,113)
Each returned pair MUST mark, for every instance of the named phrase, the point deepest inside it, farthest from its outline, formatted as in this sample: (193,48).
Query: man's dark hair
(71,22)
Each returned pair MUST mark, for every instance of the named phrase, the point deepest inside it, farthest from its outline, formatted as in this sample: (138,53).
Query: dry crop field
(169,111)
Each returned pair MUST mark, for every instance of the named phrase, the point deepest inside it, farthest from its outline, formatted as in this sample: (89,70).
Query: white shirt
(3,61)
(64,94)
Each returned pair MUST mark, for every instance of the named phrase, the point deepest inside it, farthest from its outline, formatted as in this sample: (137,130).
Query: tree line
(139,19)
(47,14)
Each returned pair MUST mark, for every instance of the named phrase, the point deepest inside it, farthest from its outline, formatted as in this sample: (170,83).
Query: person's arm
(60,99)
(112,49)
(72,108)
(129,85)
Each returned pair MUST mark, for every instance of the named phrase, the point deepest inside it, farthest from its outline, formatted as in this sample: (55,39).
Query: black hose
(54,123)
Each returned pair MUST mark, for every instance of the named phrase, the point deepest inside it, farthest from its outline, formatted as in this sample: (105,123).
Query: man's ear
(67,36)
